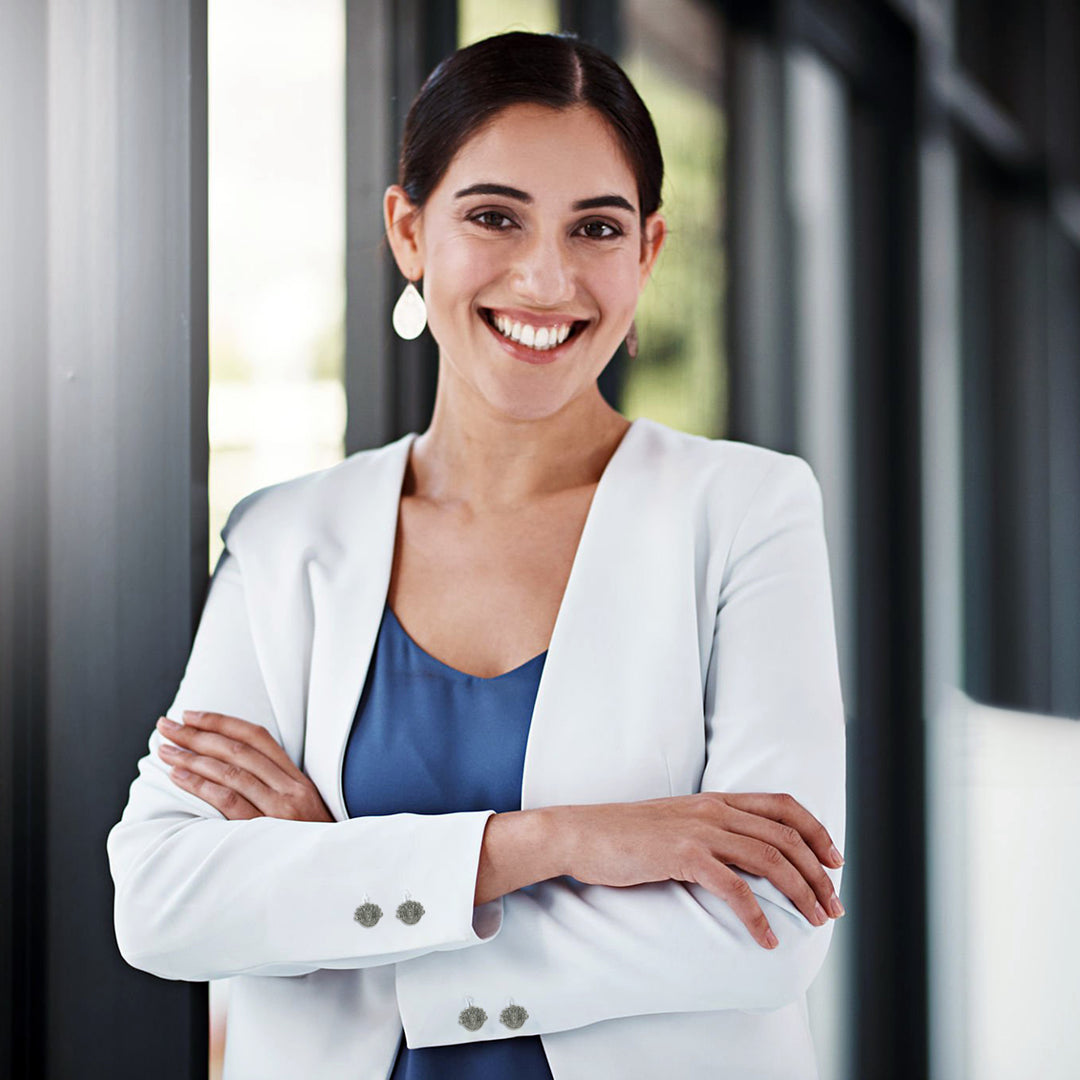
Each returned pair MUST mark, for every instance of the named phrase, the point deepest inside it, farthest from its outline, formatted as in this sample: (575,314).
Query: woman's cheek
(470,257)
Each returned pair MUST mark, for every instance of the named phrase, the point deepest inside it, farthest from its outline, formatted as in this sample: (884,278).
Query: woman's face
(532,253)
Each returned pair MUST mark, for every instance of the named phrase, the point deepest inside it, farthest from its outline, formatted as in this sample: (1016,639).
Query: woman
(525,738)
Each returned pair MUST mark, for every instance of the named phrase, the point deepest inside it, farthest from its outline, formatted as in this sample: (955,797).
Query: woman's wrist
(519,848)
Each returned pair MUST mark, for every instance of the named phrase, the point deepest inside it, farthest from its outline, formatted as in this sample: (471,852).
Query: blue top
(429,739)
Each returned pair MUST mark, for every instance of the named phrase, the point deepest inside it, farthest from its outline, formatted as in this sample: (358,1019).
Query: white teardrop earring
(410,313)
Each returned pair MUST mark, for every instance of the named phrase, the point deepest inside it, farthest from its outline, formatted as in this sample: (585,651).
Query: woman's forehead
(563,154)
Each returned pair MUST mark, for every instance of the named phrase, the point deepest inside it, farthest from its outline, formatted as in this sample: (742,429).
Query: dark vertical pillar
(1009,303)
(423,33)
(104,514)
(595,21)
(390,49)
(23,466)
(371,279)
(761,300)
(888,766)
(1063,379)
(1062,97)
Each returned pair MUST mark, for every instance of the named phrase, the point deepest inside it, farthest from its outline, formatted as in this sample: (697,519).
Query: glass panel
(478,19)
(277,281)
(673,56)
(1006,809)
(277,227)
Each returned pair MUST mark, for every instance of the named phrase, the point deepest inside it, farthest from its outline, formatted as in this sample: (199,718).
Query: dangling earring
(410,313)
(631,340)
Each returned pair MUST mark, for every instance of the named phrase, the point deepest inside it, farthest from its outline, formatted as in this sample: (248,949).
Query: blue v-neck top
(429,739)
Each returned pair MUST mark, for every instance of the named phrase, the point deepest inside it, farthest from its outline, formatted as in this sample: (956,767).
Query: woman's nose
(544,272)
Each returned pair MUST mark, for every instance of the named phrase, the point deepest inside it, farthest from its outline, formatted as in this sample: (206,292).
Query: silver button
(368,914)
(513,1016)
(472,1018)
(410,912)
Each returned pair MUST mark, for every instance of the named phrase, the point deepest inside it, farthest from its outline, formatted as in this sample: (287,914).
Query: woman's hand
(239,768)
(696,837)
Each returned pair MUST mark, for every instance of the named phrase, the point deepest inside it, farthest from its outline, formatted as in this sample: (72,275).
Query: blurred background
(874,262)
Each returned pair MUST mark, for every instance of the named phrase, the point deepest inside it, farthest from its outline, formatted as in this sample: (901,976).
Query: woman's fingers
(255,735)
(767,861)
(226,799)
(244,771)
(734,890)
(229,740)
(789,811)
(804,862)
(233,790)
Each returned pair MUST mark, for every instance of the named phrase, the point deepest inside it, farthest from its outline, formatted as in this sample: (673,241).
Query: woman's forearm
(519,848)
(696,838)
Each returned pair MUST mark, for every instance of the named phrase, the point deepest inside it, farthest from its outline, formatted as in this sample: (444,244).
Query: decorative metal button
(368,914)
(513,1016)
(409,911)
(472,1018)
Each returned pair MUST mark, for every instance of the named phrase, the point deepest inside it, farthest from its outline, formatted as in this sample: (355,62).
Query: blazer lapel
(616,668)
(350,579)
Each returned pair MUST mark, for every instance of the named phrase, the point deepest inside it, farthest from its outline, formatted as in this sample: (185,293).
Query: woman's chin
(532,403)
(516,391)
(533,408)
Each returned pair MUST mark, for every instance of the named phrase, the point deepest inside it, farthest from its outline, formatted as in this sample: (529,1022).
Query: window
(277,284)
(673,53)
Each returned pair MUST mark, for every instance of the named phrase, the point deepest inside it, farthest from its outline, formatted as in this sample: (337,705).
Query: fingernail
(771,939)
(190,714)
(819,914)
(167,724)
(836,907)
(181,774)
(836,856)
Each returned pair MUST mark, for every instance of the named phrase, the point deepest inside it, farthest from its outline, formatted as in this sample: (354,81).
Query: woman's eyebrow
(616,201)
(594,203)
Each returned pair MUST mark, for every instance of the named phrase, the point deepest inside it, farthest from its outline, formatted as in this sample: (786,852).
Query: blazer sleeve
(573,954)
(200,897)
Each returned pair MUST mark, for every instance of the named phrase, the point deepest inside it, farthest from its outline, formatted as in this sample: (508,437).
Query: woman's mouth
(537,345)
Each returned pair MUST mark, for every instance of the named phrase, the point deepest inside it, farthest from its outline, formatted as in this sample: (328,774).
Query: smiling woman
(516,747)
(523,258)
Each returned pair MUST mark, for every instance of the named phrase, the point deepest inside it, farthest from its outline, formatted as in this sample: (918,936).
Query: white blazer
(694,650)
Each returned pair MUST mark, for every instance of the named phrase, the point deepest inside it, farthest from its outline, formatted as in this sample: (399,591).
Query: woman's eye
(479,219)
(493,219)
(612,230)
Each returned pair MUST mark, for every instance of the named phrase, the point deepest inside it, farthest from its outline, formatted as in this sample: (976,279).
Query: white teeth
(539,338)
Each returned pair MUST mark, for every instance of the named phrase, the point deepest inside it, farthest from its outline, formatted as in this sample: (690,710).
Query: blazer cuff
(201,899)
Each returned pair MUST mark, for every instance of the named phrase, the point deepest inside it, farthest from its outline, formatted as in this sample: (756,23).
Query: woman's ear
(653,235)
(403,230)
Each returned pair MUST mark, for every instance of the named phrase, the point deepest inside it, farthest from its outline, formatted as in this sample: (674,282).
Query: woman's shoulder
(718,467)
(731,495)
(314,499)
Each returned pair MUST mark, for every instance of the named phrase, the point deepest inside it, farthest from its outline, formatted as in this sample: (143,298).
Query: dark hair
(468,88)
